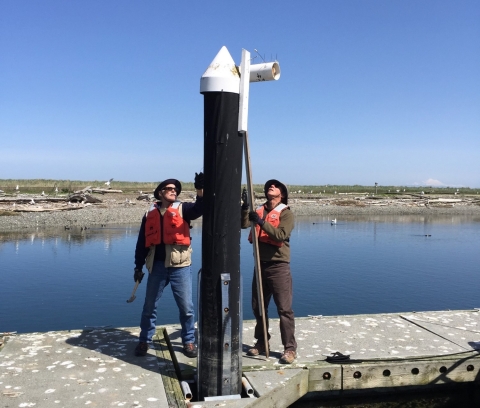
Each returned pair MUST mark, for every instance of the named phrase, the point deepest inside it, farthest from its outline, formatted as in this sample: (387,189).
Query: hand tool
(132,298)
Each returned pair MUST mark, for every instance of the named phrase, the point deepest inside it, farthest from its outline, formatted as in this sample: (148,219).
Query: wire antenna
(259,54)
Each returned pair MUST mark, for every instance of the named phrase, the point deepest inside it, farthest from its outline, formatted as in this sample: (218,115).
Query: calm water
(58,280)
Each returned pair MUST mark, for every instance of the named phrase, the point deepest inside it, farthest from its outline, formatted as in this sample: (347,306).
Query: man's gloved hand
(253,216)
(244,199)
(138,275)
(199,181)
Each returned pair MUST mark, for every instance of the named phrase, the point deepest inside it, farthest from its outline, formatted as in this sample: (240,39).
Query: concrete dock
(96,366)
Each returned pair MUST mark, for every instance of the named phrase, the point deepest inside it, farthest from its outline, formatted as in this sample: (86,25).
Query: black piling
(219,361)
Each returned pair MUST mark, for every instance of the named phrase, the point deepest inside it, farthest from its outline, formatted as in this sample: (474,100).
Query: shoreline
(126,209)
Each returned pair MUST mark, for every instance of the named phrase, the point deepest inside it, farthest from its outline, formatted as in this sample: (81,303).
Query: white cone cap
(221,75)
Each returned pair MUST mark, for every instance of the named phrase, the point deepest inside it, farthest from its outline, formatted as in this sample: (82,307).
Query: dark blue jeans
(180,280)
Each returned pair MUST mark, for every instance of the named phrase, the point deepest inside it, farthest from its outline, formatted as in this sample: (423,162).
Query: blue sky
(370,91)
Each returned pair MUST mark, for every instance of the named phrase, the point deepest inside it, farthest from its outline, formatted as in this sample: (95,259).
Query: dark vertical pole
(219,364)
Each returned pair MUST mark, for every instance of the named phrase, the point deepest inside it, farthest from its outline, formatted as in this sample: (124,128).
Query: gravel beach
(115,209)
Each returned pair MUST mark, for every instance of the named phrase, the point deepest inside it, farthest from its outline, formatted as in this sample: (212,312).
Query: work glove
(253,216)
(244,199)
(138,275)
(199,181)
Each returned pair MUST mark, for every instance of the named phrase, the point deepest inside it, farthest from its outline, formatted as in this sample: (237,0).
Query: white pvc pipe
(267,71)
(248,388)
(186,390)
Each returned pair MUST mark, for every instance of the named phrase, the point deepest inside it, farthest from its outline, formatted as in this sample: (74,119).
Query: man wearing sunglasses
(274,223)
(163,244)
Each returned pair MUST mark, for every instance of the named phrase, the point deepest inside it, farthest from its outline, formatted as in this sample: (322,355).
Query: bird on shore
(32,202)
(43,194)
(107,183)
(334,221)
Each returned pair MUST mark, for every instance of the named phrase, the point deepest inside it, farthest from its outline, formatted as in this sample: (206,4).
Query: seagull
(334,221)
(107,183)
(16,188)
(56,190)
(43,193)
(32,202)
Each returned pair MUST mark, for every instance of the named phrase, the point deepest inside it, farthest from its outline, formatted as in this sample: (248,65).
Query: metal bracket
(227,335)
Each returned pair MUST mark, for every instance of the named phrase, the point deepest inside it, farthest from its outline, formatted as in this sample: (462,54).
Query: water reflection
(397,219)
(68,279)
(75,236)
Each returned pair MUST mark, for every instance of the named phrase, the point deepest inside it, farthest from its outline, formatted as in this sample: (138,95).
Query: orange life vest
(273,217)
(176,230)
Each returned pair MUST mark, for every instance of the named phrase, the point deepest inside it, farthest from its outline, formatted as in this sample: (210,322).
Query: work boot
(141,349)
(288,357)
(257,349)
(190,350)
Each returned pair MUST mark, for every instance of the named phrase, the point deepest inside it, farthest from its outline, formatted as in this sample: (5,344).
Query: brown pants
(276,282)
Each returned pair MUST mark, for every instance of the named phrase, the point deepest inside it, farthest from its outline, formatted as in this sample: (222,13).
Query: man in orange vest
(163,244)
(274,223)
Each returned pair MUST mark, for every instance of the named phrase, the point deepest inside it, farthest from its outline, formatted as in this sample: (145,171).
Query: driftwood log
(146,197)
(83,198)
(37,209)
(87,189)
(105,190)
(37,199)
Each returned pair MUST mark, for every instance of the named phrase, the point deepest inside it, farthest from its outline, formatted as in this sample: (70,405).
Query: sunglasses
(170,189)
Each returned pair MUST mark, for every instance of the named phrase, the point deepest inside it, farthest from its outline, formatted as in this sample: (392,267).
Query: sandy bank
(125,209)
